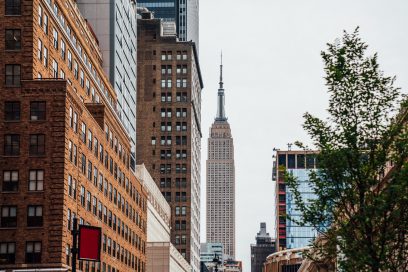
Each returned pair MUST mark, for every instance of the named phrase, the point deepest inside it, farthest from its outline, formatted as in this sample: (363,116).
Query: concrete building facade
(161,254)
(184,13)
(263,248)
(288,232)
(64,151)
(221,180)
(114,24)
(169,128)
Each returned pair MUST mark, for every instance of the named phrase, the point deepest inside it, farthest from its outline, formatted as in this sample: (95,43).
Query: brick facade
(48,191)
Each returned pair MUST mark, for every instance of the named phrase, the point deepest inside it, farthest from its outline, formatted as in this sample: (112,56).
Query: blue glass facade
(296,235)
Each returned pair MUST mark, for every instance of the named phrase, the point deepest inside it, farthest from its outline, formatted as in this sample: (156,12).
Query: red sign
(89,243)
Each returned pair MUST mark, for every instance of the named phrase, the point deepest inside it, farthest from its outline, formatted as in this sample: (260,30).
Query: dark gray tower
(262,249)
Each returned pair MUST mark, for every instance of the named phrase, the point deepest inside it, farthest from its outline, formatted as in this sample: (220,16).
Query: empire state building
(221,180)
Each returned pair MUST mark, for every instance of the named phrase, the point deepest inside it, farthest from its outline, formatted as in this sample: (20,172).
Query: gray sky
(273,74)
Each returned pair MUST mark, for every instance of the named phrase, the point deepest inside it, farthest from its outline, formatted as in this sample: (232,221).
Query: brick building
(63,151)
(168,128)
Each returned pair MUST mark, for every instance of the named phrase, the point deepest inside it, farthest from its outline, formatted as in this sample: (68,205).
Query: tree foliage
(361,207)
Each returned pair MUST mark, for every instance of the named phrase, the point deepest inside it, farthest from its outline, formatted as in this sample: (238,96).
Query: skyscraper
(169,128)
(221,180)
(289,233)
(183,12)
(263,248)
(114,24)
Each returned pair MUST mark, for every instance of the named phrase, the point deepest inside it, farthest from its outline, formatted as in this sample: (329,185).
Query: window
(46,23)
(88,201)
(45,60)
(13,39)
(75,69)
(83,132)
(37,110)
(10,181)
(12,111)
(40,15)
(36,182)
(33,252)
(75,154)
(13,7)
(63,47)
(69,54)
(62,74)
(55,38)
(54,68)
(82,196)
(13,74)
(75,123)
(7,253)
(11,145)
(34,216)
(37,144)
(71,187)
(8,217)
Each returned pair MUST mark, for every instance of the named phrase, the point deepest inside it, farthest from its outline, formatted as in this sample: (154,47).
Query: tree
(361,209)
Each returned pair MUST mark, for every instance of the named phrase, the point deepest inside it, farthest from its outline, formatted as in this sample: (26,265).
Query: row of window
(167,140)
(8,250)
(167,69)
(167,126)
(11,180)
(167,155)
(179,183)
(180,83)
(168,55)
(178,197)
(167,112)
(8,217)
(166,168)
(12,144)
(12,111)
(180,97)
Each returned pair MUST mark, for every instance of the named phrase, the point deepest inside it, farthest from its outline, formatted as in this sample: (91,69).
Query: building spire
(221,98)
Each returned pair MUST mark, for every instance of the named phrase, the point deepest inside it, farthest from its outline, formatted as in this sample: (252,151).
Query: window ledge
(10,192)
(13,50)
(12,121)
(35,227)
(8,228)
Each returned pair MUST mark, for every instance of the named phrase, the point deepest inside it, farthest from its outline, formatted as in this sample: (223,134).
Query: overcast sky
(273,74)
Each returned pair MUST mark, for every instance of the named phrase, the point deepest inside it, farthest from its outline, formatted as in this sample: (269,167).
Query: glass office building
(289,233)
(183,12)
(114,24)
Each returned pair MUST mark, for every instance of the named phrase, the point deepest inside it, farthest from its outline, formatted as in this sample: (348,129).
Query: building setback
(184,13)
(299,163)
(221,180)
(168,128)
(114,24)
(64,153)
(263,248)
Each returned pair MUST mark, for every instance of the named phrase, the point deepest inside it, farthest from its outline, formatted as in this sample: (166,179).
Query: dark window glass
(13,7)
(10,181)
(7,253)
(11,145)
(34,216)
(310,161)
(301,161)
(37,110)
(8,217)
(12,111)
(291,161)
(33,252)
(282,160)
(37,144)
(13,39)
(13,74)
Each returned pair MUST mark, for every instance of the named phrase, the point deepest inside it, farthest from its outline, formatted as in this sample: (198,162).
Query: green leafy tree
(361,209)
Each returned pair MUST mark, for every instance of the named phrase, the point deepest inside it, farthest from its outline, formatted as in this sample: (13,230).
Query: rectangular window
(36,182)
(37,110)
(33,252)
(12,111)
(82,196)
(39,49)
(8,217)
(13,7)
(11,145)
(37,144)
(40,15)
(63,48)
(69,54)
(75,123)
(13,39)
(54,68)
(83,132)
(10,181)
(45,23)
(8,252)
(45,60)
(82,82)
(13,74)
(34,216)
(55,38)
(75,69)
